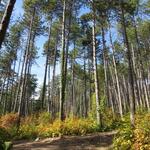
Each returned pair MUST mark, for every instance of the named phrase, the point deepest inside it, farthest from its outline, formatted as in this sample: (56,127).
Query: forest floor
(97,141)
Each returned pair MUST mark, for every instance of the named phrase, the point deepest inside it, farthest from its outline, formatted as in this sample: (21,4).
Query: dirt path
(98,141)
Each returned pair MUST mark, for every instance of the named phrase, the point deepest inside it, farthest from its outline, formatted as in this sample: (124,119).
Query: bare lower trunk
(46,68)
(62,90)
(116,76)
(53,76)
(95,71)
(130,65)
(26,65)
(49,89)
(85,89)
(105,61)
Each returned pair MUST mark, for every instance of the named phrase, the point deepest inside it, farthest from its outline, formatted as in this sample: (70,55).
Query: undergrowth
(41,125)
(134,139)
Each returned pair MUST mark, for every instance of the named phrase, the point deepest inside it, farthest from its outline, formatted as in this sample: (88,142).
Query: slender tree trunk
(73,81)
(2,90)
(116,74)
(135,77)
(114,91)
(6,96)
(90,86)
(26,65)
(5,20)
(26,90)
(67,43)
(46,68)
(27,80)
(17,87)
(111,101)
(62,89)
(44,84)
(95,70)
(20,81)
(130,64)
(85,89)
(12,89)
(105,61)
(53,75)
(49,88)
(141,64)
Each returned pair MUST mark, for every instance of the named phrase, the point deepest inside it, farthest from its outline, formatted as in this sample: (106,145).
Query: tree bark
(53,75)
(105,61)
(26,65)
(95,70)
(5,20)
(130,65)
(62,89)
(46,68)
(116,73)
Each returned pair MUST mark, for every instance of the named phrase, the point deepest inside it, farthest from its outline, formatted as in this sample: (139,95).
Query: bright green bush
(44,118)
(4,136)
(71,126)
(41,125)
(134,139)
(109,120)
(142,132)
(75,126)
(9,122)
(123,140)
(27,131)
(27,128)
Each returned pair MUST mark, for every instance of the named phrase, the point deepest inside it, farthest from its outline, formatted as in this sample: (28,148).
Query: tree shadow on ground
(96,141)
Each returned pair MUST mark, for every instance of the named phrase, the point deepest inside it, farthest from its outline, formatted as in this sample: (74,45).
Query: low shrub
(4,136)
(27,128)
(75,126)
(71,126)
(9,120)
(27,131)
(109,120)
(9,123)
(134,139)
(142,133)
(41,125)
(44,118)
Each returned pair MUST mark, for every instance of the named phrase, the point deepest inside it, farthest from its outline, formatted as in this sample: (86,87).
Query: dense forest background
(101,49)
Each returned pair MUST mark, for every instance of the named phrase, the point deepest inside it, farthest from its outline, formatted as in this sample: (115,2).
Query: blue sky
(39,67)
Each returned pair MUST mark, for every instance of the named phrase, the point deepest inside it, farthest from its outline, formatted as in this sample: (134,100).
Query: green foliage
(109,120)
(142,132)
(9,123)
(92,113)
(75,126)
(124,136)
(4,136)
(71,126)
(32,126)
(27,128)
(27,131)
(137,138)
(41,125)
(102,104)
(44,117)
